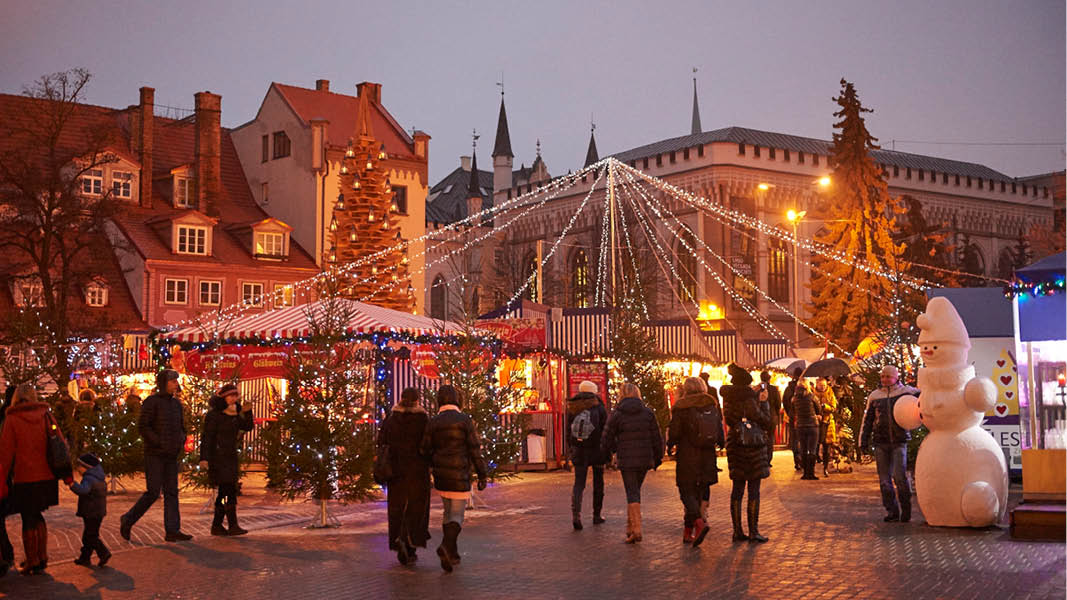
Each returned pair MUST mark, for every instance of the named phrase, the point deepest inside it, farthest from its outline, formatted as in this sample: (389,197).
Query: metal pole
(611,207)
(796,286)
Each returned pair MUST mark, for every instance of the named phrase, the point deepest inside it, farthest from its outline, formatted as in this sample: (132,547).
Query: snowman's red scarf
(945,378)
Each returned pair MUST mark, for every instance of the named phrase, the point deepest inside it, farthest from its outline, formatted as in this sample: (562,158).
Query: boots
(598,505)
(809,467)
(704,510)
(35,543)
(447,550)
(576,511)
(231,520)
(687,534)
(216,521)
(735,516)
(700,530)
(633,513)
(85,558)
(753,521)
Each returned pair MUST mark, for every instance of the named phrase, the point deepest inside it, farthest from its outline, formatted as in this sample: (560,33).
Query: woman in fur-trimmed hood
(409,490)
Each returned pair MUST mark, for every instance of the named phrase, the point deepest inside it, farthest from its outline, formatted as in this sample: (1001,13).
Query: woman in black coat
(223,426)
(408,497)
(633,433)
(748,464)
(7,551)
(696,431)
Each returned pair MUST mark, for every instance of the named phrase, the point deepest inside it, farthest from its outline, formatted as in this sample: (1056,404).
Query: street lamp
(794,219)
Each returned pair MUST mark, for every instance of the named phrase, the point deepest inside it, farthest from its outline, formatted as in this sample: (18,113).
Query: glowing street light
(824,182)
(763,187)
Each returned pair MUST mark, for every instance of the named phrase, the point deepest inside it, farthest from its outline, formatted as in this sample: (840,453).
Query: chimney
(208,152)
(144,131)
(465,162)
(374,91)
(322,85)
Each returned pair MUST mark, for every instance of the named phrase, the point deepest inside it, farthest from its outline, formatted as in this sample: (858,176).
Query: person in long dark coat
(223,427)
(774,399)
(7,551)
(586,453)
(408,497)
(697,468)
(633,433)
(747,464)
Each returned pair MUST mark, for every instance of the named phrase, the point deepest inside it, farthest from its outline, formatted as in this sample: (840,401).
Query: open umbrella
(827,367)
(787,364)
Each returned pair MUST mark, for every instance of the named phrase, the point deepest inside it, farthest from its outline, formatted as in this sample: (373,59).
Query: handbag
(57,449)
(383,465)
(750,434)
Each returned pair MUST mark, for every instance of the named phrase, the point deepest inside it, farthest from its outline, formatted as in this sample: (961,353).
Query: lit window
(96,295)
(192,240)
(183,192)
(93,182)
(778,271)
(30,293)
(252,294)
(121,184)
(283,295)
(177,291)
(580,280)
(210,293)
(270,244)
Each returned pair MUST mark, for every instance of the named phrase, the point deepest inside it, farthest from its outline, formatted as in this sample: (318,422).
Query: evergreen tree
(638,357)
(1022,253)
(924,245)
(111,433)
(969,260)
(860,220)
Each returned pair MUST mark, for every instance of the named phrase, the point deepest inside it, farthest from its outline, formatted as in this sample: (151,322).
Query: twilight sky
(945,71)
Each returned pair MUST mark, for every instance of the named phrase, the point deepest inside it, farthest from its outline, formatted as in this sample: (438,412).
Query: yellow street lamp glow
(824,181)
(791,215)
(764,187)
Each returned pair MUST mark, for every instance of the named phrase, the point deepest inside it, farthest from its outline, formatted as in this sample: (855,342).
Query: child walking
(92,506)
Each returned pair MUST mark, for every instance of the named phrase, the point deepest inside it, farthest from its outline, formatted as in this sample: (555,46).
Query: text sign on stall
(246,362)
(424,361)
(526,333)
(595,371)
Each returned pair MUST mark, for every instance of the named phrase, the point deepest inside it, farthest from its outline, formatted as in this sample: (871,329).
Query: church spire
(696,108)
(591,155)
(474,190)
(503,138)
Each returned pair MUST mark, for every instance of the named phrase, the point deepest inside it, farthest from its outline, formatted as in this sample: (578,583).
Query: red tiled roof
(22,117)
(340,110)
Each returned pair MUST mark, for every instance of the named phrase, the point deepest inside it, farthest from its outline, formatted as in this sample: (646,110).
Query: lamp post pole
(796,286)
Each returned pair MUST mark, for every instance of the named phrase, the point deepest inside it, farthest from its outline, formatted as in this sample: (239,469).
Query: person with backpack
(695,430)
(748,416)
(586,419)
(633,433)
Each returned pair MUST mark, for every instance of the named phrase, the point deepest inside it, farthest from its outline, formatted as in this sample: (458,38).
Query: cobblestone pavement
(827,541)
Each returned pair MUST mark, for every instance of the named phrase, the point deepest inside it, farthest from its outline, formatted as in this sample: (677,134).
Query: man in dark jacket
(806,420)
(162,427)
(92,507)
(774,400)
(588,410)
(890,444)
(453,447)
(787,403)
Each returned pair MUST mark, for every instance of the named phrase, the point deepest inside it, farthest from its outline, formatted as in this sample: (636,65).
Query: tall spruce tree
(859,224)
(639,359)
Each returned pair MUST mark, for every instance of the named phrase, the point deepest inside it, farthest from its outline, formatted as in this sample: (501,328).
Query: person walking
(806,418)
(408,499)
(633,434)
(7,551)
(827,402)
(162,427)
(92,507)
(695,430)
(774,400)
(748,416)
(890,443)
(452,446)
(34,488)
(586,417)
(787,404)
(224,426)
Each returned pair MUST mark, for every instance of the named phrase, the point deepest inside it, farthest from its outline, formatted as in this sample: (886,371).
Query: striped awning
(765,351)
(680,338)
(581,331)
(296,321)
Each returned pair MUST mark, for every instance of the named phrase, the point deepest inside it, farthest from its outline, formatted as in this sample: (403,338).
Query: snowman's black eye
(935,347)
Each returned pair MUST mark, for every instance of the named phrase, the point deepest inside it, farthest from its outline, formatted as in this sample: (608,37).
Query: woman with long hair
(633,434)
(747,415)
(408,500)
(696,431)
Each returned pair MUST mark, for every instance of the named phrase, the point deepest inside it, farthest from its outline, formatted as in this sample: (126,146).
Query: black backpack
(709,426)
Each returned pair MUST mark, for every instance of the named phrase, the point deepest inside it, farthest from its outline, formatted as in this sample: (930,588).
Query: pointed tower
(474,190)
(503,158)
(696,109)
(591,155)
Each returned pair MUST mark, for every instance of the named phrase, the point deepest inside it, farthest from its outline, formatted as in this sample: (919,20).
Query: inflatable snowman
(961,479)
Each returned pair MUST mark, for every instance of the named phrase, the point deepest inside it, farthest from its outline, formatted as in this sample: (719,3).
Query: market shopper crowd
(418,453)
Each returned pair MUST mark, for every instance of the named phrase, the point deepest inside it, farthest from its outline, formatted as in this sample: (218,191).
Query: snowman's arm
(906,412)
(980,394)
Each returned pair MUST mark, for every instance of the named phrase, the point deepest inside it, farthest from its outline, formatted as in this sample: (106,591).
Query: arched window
(580,286)
(439,298)
(778,271)
(686,265)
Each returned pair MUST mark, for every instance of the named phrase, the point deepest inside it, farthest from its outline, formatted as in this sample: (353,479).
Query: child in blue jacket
(92,506)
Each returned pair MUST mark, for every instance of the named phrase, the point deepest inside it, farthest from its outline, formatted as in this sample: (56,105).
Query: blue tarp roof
(1044,268)
(985,311)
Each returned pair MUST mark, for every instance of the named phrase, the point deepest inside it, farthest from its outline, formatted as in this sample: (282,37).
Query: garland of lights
(633,261)
(1023,289)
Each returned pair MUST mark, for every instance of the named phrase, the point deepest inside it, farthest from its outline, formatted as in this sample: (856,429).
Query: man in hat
(162,427)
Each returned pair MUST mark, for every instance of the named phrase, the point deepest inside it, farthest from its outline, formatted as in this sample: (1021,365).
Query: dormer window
(29,293)
(93,182)
(183,192)
(269,243)
(191,239)
(96,294)
(122,184)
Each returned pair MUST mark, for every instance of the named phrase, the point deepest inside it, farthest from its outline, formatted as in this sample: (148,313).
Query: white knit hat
(941,323)
(588,387)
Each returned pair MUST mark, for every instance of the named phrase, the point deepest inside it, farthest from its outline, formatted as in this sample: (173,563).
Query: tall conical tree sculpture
(365,223)
(859,225)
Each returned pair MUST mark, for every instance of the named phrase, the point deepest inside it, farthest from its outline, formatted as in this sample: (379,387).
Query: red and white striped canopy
(295,321)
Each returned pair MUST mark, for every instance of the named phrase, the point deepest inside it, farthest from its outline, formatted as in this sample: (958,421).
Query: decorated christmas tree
(364,227)
(860,219)
(110,432)
(322,444)
(638,359)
